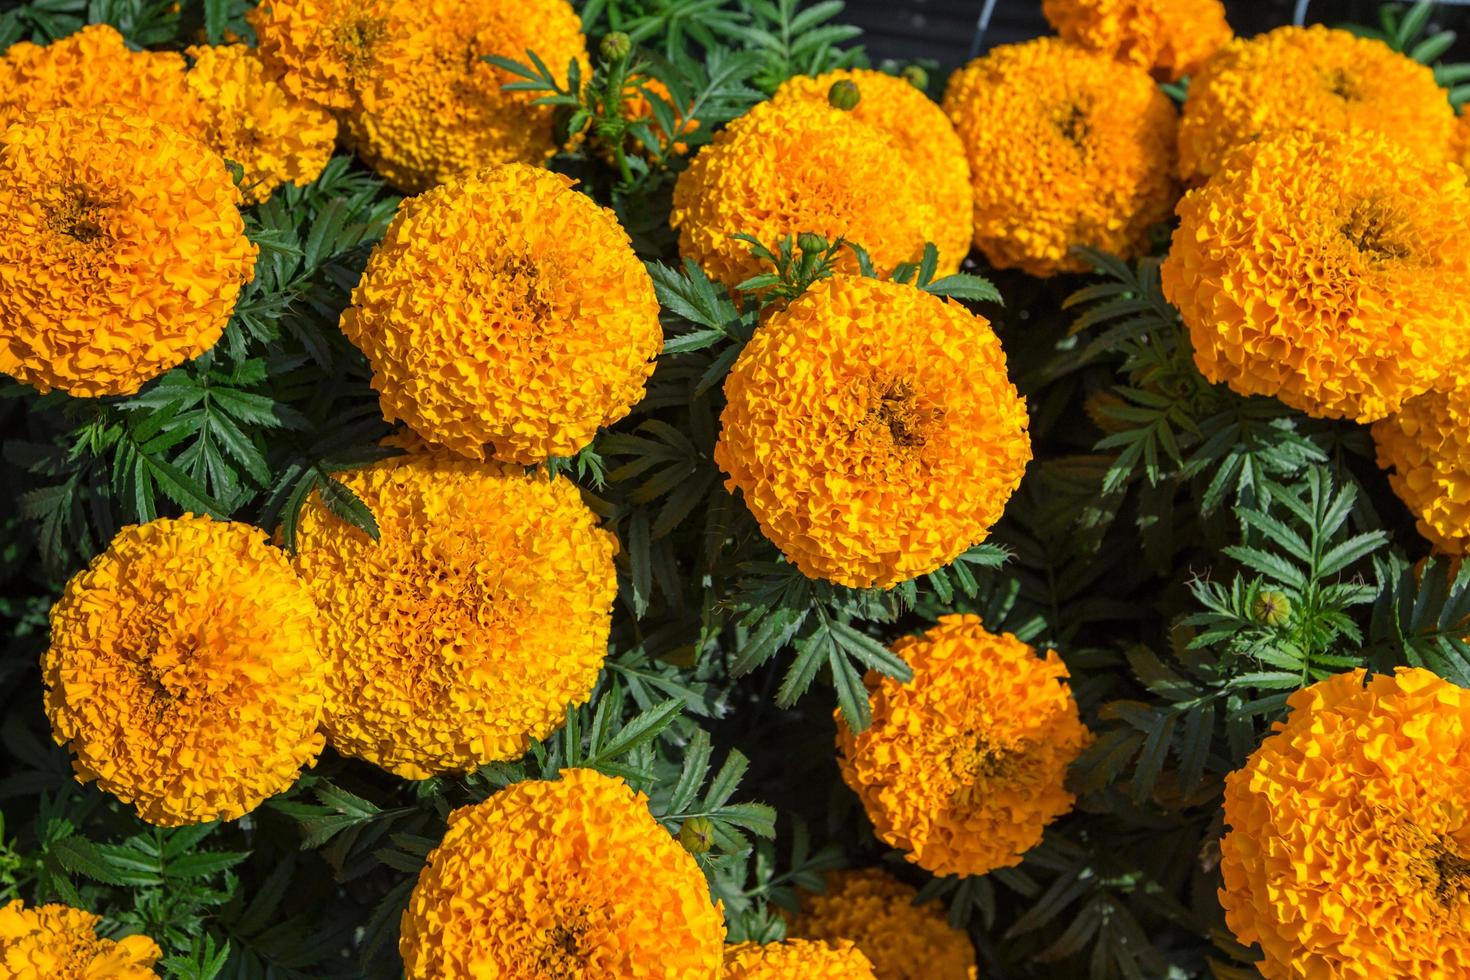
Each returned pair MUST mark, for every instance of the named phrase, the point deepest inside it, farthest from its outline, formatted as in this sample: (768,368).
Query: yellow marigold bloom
(326,50)
(876,911)
(436,108)
(965,765)
(873,431)
(1067,147)
(57,942)
(275,137)
(1349,849)
(464,632)
(1326,270)
(1309,78)
(184,671)
(121,250)
(1170,38)
(571,877)
(506,308)
(922,133)
(93,68)
(797,959)
(790,166)
(1425,447)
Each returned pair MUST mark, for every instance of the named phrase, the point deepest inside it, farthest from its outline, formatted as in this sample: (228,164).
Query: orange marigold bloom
(508,309)
(436,109)
(326,50)
(57,942)
(921,132)
(1425,447)
(790,166)
(873,431)
(184,671)
(1170,38)
(1326,270)
(1349,849)
(1067,147)
(93,68)
(1313,78)
(965,765)
(876,911)
(797,959)
(251,120)
(464,632)
(122,250)
(571,877)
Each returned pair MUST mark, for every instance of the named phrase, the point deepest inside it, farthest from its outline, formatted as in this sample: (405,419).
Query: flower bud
(1271,609)
(697,835)
(810,242)
(916,76)
(616,46)
(843,95)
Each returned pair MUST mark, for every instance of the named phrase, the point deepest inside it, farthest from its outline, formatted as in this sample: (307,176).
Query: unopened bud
(844,95)
(616,46)
(916,76)
(1271,609)
(810,242)
(697,835)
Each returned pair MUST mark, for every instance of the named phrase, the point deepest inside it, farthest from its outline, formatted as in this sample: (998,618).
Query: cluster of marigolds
(196,667)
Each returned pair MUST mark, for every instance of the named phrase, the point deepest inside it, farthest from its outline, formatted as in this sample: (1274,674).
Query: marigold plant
(251,120)
(93,68)
(1347,853)
(56,942)
(1324,269)
(1314,78)
(463,632)
(921,132)
(329,51)
(872,430)
(1425,448)
(965,765)
(571,877)
(121,250)
(791,166)
(1170,38)
(506,309)
(1067,147)
(184,673)
(796,959)
(437,109)
(876,912)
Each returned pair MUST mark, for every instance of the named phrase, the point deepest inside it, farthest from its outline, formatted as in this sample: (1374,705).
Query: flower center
(1341,84)
(1371,229)
(896,409)
(79,218)
(976,763)
(356,39)
(1074,126)
(563,950)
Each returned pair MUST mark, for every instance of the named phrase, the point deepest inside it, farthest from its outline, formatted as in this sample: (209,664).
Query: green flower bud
(916,76)
(1271,609)
(844,95)
(809,242)
(697,835)
(616,46)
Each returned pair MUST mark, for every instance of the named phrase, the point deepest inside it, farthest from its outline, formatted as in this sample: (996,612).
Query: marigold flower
(1425,447)
(437,109)
(121,250)
(873,431)
(94,68)
(1170,38)
(922,133)
(275,137)
(506,308)
(797,959)
(464,632)
(1347,854)
(966,764)
(876,911)
(184,671)
(1313,78)
(572,877)
(790,166)
(1326,270)
(326,50)
(56,942)
(1067,147)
